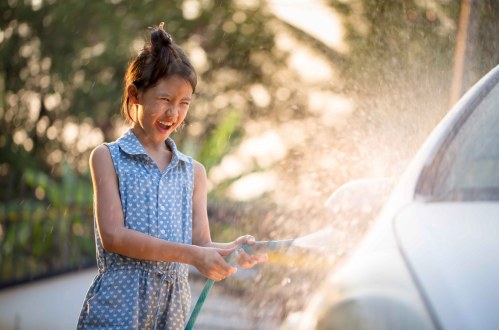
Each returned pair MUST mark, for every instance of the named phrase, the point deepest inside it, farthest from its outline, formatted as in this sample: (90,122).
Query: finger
(248,261)
(217,276)
(257,256)
(264,257)
(250,240)
(226,252)
(232,270)
(225,268)
(224,274)
(246,239)
(248,264)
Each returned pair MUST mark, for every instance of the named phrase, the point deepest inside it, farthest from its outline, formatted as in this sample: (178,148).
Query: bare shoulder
(199,174)
(199,168)
(100,160)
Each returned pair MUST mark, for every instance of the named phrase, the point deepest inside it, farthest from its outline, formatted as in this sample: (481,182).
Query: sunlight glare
(34,105)
(51,101)
(94,51)
(191,9)
(70,133)
(19,136)
(311,68)
(266,149)
(314,17)
(332,109)
(230,167)
(260,95)
(36,4)
(197,55)
(252,186)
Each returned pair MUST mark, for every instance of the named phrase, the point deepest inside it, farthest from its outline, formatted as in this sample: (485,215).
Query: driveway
(55,304)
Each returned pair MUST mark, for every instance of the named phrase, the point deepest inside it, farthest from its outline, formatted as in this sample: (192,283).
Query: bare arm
(200,224)
(115,237)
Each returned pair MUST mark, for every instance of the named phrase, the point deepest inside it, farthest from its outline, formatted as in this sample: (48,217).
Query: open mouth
(165,125)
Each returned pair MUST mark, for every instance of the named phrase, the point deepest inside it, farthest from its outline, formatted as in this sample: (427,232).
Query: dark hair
(160,58)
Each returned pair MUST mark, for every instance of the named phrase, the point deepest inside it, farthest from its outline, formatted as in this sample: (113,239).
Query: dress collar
(129,143)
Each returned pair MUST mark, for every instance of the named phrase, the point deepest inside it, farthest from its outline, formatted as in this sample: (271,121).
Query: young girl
(150,204)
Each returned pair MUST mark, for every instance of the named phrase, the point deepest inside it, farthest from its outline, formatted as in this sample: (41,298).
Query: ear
(133,94)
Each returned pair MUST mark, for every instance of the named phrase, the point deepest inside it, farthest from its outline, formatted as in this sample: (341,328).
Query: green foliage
(62,63)
(219,141)
(48,229)
(61,69)
(69,190)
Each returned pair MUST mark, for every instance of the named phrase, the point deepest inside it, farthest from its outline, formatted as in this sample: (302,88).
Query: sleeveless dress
(132,293)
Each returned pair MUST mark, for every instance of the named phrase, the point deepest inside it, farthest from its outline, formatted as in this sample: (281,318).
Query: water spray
(266,246)
(257,247)
(322,240)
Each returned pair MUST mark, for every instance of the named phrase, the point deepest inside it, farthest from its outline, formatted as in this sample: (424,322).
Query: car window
(469,169)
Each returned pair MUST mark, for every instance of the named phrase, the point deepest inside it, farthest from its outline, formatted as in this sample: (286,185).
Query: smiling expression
(160,109)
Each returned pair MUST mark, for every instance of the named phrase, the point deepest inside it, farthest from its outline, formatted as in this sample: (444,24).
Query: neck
(147,142)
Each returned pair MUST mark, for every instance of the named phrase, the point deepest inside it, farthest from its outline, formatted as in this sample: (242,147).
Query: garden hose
(260,246)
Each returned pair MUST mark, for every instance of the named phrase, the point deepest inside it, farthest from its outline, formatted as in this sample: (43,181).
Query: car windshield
(469,169)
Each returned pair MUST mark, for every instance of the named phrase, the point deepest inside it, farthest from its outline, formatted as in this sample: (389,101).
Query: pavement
(55,303)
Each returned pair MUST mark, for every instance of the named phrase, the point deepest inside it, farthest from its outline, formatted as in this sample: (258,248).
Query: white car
(431,258)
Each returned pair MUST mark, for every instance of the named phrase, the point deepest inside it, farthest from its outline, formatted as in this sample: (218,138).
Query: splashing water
(326,240)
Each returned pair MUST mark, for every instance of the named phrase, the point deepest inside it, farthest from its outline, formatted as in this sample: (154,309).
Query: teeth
(165,123)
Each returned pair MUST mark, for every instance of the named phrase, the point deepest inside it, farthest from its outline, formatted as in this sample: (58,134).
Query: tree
(62,64)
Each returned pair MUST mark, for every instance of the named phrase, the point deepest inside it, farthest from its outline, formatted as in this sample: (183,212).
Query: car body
(431,258)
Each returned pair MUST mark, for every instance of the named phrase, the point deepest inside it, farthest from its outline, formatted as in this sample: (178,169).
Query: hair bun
(160,38)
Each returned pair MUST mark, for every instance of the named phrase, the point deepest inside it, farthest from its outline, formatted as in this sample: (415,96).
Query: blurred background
(295,98)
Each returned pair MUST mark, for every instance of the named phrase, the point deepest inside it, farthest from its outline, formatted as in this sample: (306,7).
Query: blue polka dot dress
(140,294)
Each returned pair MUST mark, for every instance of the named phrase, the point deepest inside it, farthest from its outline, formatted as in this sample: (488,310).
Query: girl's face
(161,109)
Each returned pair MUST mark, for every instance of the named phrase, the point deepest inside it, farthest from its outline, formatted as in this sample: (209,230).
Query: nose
(171,110)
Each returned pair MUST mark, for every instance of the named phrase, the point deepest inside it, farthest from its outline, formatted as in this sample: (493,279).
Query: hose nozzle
(265,246)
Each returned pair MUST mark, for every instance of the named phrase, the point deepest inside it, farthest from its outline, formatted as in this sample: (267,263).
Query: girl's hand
(211,263)
(244,259)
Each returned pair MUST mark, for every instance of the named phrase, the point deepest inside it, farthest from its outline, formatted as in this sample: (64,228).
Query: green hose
(250,249)
(204,294)
(199,304)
